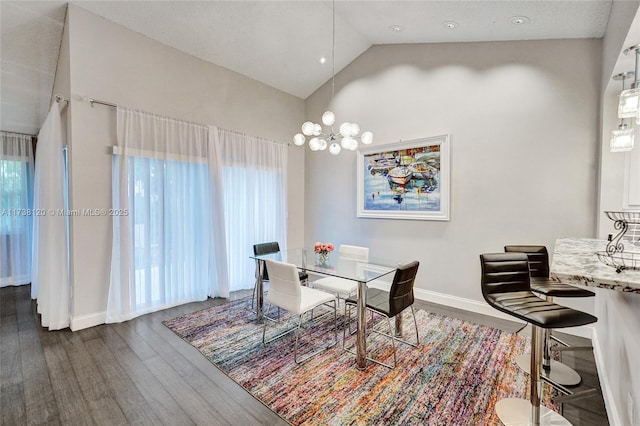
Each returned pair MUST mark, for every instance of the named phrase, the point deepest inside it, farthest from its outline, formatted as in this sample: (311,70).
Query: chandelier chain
(333,49)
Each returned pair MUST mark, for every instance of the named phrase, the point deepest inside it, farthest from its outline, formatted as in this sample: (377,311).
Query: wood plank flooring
(140,373)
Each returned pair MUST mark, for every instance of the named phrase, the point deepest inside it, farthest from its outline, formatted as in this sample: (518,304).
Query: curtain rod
(17,133)
(251,136)
(109,104)
(96,101)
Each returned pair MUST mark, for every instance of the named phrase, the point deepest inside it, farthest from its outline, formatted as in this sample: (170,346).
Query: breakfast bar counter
(616,335)
(575,262)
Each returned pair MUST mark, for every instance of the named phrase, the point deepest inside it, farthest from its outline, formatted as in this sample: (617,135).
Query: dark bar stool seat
(541,284)
(506,286)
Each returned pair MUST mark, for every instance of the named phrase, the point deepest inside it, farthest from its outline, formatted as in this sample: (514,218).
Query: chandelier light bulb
(355,129)
(308,128)
(347,142)
(345,129)
(335,149)
(314,144)
(328,119)
(317,129)
(299,139)
(367,138)
(323,144)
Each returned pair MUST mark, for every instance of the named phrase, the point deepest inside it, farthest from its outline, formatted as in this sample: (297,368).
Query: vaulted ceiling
(276,42)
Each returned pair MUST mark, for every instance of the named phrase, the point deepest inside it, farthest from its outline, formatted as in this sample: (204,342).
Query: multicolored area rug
(455,377)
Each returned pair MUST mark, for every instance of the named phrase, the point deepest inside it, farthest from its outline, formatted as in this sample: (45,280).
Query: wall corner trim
(86,321)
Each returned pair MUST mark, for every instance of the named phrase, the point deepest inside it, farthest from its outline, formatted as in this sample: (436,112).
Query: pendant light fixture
(630,98)
(623,137)
(347,135)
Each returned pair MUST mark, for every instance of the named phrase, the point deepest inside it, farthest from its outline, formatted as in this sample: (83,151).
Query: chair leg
(295,349)
(335,334)
(534,382)
(264,329)
(393,343)
(335,321)
(415,322)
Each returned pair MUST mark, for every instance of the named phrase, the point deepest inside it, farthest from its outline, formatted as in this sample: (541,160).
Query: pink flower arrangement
(323,248)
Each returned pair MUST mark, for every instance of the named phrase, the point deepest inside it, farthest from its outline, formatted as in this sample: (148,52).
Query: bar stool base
(560,373)
(517,412)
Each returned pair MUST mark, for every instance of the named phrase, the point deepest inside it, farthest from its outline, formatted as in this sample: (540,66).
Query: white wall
(616,338)
(620,34)
(523,121)
(111,63)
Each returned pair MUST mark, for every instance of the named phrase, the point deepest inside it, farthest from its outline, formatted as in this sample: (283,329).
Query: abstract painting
(405,180)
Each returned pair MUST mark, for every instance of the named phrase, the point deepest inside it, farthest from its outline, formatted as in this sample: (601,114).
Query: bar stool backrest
(504,273)
(538,258)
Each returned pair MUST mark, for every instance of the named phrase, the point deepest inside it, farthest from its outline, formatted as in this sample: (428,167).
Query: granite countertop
(575,262)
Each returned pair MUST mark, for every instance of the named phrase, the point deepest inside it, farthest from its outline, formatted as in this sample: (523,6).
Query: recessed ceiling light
(322,60)
(395,28)
(450,25)
(520,20)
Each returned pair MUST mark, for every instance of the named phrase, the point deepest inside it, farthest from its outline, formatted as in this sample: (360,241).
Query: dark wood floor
(139,372)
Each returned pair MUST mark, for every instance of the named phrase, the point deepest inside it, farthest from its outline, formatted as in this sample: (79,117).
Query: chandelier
(346,137)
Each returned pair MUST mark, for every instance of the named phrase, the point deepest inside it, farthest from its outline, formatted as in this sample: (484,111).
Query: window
(16,203)
(170,216)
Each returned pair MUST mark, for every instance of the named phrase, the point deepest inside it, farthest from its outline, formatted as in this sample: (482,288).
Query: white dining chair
(342,287)
(286,292)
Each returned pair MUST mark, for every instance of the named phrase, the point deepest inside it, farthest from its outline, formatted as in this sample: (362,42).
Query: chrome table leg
(361,336)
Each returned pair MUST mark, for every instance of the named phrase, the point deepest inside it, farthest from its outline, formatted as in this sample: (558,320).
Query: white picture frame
(405,180)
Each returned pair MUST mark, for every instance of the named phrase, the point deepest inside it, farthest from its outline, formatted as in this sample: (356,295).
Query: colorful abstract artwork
(405,180)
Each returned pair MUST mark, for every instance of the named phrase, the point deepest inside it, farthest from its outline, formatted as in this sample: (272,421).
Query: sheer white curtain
(16,203)
(255,202)
(163,250)
(49,272)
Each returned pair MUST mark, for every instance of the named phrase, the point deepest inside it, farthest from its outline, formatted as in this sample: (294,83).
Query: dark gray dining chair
(390,304)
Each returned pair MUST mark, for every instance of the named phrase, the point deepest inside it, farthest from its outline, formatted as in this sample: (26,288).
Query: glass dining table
(361,271)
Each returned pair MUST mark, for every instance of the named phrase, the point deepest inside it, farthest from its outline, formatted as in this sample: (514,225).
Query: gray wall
(111,63)
(523,120)
(616,338)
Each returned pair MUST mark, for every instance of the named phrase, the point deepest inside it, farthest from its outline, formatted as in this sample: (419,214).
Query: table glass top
(336,265)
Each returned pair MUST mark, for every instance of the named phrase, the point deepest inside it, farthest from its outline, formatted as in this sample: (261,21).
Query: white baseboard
(609,401)
(476,307)
(86,321)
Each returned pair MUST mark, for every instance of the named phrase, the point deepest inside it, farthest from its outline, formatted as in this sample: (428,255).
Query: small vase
(322,258)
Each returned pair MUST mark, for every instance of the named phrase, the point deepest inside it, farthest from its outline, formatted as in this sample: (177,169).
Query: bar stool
(506,286)
(538,258)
